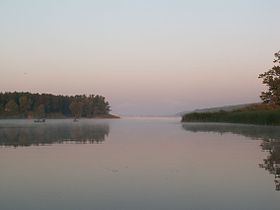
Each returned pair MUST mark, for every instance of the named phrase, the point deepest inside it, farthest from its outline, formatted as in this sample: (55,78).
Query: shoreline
(255,117)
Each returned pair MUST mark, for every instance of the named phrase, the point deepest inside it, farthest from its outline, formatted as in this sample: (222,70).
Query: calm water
(138,164)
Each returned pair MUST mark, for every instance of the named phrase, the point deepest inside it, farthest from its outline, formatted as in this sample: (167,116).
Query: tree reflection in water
(50,133)
(272,162)
(270,136)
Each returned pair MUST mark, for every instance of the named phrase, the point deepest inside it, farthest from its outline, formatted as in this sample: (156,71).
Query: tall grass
(247,116)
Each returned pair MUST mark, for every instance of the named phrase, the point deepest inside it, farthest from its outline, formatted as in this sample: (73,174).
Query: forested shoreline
(35,105)
(267,113)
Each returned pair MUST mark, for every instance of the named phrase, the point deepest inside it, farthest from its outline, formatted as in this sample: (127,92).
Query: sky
(148,57)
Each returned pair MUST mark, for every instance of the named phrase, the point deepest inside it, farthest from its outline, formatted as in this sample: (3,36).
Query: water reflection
(270,136)
(27,134)
(272,162)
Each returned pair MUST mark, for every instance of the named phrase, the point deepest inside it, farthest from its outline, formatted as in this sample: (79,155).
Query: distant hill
(217,109)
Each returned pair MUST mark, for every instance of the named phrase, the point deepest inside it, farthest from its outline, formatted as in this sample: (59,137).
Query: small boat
(40,120)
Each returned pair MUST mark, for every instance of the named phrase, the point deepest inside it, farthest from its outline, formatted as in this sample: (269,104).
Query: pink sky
(146,58)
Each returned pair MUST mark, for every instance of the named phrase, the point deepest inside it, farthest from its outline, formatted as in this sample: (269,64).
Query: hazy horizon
(146,57)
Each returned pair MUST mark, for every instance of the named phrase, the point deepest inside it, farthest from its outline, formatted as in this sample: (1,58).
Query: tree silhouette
(11,107)
(271,79)
(40,111)
(76,108)
(24,104)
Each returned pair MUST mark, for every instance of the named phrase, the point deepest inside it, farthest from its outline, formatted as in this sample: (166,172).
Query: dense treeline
(29,105)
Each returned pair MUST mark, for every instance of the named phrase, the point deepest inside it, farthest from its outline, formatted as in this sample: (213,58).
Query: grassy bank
(261,115)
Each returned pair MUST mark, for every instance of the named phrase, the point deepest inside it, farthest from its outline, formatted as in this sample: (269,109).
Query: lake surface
(138,164)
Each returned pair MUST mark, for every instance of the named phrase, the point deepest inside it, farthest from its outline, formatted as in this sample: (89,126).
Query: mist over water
(137,163)
(89,59)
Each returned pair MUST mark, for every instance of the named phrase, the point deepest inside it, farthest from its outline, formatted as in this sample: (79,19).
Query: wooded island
(30,105)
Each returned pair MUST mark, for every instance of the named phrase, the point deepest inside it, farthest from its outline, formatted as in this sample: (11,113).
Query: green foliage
(11,108)
(25,104)
(76,108)
(40,111)
(261,117)
(271,79)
